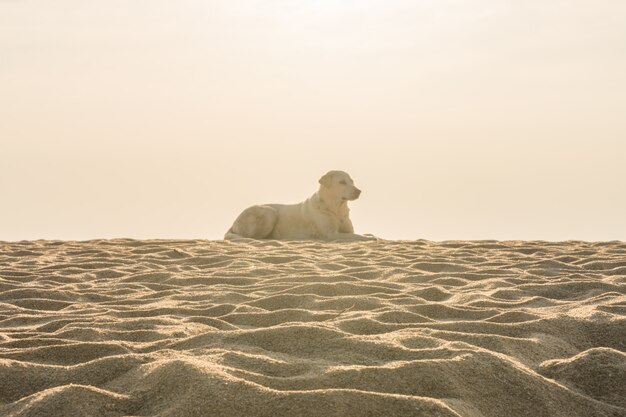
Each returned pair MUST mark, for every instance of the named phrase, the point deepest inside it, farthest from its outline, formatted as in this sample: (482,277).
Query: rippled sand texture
(267,328)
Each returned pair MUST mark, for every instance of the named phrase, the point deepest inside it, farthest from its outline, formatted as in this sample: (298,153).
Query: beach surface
(267,328)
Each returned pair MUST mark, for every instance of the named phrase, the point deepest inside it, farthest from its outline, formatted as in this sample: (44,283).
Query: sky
(459,119)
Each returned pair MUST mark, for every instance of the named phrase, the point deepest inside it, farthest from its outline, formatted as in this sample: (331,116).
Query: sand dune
(268,328)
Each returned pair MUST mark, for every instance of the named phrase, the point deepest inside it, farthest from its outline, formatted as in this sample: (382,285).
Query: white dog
(324,215)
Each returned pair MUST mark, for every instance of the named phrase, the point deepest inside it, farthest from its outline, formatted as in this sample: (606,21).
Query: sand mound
(267,328)
(599,373)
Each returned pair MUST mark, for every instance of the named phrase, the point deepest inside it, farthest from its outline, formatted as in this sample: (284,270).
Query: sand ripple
(268,328)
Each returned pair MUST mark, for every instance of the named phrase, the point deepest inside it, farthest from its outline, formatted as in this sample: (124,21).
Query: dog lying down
(324,215)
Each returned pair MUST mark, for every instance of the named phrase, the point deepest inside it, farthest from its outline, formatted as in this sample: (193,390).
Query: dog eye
(343,182)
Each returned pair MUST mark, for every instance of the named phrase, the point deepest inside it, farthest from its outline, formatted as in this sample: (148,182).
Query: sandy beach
(268,328)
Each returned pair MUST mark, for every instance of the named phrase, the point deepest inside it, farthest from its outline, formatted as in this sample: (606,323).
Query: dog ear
(327,180)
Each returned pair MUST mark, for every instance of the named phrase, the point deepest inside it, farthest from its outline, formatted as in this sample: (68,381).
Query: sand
(268,328)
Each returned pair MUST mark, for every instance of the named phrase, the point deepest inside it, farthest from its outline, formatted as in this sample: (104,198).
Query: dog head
(339,184)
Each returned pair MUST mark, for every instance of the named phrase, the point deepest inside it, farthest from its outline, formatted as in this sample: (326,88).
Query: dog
(324,215)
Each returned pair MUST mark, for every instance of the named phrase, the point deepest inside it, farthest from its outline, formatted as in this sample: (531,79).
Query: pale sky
(459,119)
